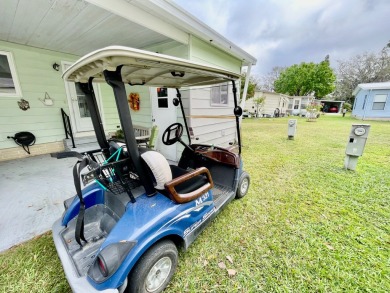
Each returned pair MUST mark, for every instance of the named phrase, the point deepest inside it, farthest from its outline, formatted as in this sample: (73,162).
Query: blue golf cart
(133,210)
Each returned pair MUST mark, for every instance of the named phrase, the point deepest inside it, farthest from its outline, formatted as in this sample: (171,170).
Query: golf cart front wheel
(154,269)
(243,185)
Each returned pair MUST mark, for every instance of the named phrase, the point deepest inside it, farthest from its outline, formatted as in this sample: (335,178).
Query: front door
(164,113)
(296,107)
(79,112)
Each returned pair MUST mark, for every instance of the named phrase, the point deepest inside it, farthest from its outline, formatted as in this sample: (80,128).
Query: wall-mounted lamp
(56,66)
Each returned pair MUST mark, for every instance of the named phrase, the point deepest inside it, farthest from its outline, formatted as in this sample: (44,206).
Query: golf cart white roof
(146,68)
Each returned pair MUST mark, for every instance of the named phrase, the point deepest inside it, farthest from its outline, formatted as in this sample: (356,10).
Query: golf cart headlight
(109,260)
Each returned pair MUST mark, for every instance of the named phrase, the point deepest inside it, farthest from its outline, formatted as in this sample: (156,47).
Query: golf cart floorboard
(99,220)
(221,194)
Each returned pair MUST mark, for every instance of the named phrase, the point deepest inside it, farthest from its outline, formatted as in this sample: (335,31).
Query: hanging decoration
(23,104)
(47,100)
(134,101)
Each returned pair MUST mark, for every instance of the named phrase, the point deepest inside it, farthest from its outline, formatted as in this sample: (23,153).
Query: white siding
(272,101)
(218,131)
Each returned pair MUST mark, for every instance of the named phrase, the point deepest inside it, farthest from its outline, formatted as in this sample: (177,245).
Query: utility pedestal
(355,146)
(292,128)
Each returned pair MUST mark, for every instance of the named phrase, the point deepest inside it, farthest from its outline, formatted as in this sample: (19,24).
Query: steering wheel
(172,134)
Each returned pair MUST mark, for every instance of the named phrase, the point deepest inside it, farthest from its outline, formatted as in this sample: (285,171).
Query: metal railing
(67,126)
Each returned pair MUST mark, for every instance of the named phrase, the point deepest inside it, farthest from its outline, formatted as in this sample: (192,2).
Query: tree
(259,104)
(365,68)
(252,85)
(267,81)
(347,106)
(306,79)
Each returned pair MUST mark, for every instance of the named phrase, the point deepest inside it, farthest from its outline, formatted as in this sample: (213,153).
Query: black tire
(160,255)
(243,185)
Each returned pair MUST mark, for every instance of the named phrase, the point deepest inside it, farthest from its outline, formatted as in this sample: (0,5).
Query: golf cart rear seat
(178,184)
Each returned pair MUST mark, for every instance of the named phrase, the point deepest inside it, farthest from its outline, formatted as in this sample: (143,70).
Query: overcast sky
(286,32)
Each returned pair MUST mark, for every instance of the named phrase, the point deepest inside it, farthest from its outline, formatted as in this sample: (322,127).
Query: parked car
(123,229)
(246,114)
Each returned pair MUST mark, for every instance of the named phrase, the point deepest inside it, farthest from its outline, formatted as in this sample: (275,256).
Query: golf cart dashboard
(218,154)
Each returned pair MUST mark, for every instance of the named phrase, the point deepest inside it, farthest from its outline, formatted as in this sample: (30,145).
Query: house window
(219,95)
(296,104)
(9,84)
(379,102)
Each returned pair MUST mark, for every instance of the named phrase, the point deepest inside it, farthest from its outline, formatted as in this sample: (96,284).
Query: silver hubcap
(244,186)
(158,274)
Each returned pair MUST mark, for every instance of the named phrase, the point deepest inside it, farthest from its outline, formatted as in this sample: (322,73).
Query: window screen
(219,95)
(163,102)
(162,92)
(379,102)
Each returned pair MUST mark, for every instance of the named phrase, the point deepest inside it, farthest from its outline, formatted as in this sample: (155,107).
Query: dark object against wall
(24,139)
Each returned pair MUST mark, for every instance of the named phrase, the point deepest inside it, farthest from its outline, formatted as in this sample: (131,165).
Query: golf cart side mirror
(175,102)
(237,111)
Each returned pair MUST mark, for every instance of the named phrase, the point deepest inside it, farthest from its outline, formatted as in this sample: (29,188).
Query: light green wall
(36,76)
(110,112)
(206,53)
(170,48)
(143,117)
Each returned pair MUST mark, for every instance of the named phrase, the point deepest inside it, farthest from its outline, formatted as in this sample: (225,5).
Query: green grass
(306,225)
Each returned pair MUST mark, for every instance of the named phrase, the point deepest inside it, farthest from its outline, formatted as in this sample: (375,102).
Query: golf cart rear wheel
(154,269)
(243,185)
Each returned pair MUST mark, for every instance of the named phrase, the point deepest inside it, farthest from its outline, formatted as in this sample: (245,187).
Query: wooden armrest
(221,156)
(186,197)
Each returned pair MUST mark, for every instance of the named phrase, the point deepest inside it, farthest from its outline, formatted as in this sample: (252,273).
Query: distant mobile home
(372,101)
(273,103)
(297,105)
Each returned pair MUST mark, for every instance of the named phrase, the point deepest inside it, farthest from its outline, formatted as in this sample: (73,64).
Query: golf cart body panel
(144,222)
(122,212)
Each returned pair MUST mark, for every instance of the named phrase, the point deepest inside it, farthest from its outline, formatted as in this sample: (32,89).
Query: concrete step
(83,144)
(80,140)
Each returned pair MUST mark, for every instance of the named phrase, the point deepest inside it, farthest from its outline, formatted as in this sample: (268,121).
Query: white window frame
(15,79)
(219,91)
(382,101)
(290,105)
(296,106)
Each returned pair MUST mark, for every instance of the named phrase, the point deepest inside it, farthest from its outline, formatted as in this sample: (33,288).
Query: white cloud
(282,33)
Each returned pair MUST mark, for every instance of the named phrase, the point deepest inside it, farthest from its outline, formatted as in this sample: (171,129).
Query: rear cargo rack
(117,176)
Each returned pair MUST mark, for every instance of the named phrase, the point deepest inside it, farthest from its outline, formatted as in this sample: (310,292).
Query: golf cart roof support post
(90,98)
(237,118)
(114,79)
(178,95)
(246,85)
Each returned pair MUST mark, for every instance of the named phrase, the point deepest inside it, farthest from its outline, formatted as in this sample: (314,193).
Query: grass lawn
(306,225)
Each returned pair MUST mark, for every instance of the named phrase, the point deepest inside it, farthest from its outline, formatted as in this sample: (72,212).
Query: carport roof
(79,27)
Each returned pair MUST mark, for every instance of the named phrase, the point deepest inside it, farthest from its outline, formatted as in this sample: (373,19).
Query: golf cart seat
(178,184)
